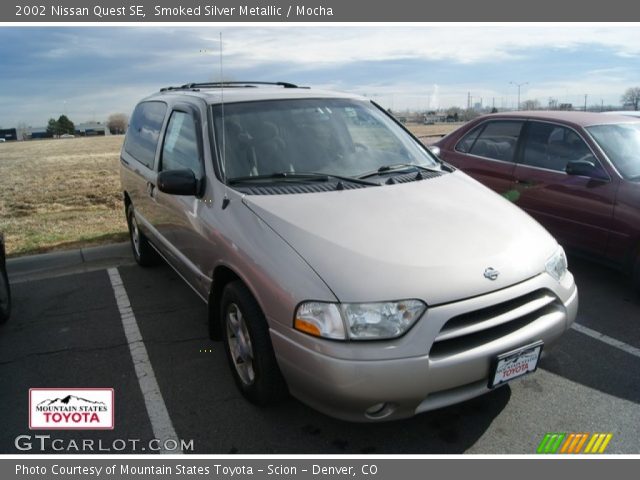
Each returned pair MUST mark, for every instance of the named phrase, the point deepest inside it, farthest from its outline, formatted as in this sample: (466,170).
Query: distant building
(34,133)
(8,134)
(91,129)
(430,118)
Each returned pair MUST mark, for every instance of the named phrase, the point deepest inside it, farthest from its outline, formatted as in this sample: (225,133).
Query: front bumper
(371,381)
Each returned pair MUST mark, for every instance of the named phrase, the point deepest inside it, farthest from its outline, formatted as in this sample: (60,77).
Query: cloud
(314,46)
(99,70)
(461,44)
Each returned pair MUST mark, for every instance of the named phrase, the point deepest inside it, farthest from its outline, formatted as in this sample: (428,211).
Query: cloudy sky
(91,72)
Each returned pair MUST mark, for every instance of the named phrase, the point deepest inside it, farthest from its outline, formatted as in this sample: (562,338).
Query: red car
(577,173)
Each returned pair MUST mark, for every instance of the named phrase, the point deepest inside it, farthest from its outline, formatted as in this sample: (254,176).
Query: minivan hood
(431,239)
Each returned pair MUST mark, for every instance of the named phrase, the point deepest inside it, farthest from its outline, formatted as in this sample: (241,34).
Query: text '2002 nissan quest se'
(341,260)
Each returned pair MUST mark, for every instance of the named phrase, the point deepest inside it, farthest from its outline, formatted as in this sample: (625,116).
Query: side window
(498,140)
(144,130)
(180,147)
(469,139)
(552,147)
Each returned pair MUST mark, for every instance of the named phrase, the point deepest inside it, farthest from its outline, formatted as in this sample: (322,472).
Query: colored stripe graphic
(572,443)
(571,438)
(607,439)
(543,443)
(578,447)
(551,442)
(558,442)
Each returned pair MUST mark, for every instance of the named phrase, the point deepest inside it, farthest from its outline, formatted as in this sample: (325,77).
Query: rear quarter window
(144,132)
(494,139)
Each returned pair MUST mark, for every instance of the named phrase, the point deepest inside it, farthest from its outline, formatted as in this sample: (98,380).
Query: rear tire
(143,252)
(248,347)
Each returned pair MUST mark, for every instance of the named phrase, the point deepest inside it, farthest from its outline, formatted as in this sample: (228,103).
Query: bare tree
(631,97)
(530,105)
(22,131)
(117,123)
(454,114)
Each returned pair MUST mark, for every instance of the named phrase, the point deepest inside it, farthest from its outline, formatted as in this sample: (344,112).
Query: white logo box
(71,409)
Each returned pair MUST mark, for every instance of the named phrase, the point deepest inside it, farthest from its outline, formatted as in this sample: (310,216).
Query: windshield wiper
(299,176)
(398,166)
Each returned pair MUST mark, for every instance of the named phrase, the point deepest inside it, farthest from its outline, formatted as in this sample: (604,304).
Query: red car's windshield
(621,143)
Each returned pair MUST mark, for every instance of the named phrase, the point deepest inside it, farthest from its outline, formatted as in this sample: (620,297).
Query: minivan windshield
(340,137)
(621,143)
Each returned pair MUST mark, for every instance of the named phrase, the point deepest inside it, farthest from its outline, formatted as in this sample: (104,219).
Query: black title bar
(227,11)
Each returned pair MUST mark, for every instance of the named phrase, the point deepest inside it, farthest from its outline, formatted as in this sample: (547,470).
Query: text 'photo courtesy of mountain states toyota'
(342,261)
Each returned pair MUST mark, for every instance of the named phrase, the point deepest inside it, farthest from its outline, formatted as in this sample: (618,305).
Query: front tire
(143,252)
(248,347)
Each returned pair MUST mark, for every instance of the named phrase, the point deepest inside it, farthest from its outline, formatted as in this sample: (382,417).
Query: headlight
(358,321)
(557,265)
(320,319)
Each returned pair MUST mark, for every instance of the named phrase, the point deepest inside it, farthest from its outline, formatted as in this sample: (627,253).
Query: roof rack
(249,84)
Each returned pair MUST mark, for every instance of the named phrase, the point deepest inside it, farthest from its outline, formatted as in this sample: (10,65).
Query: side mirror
(435,150)
(178,182)
(583,168)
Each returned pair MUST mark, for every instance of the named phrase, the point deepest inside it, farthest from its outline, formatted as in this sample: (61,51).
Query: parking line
(156,408)
(625,347)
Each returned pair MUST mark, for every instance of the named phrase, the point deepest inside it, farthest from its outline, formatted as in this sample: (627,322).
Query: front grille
(476,328)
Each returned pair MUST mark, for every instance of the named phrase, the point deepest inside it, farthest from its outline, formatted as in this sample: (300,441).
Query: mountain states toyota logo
(71,409)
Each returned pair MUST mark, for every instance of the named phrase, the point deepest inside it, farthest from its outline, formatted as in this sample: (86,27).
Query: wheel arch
(222,276)
(126,199)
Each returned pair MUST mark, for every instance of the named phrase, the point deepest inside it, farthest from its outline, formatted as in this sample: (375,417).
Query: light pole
(519,85)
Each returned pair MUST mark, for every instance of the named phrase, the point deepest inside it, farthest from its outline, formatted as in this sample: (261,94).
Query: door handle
(526,183)
(150,188)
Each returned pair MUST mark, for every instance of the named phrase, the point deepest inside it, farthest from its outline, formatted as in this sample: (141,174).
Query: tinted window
(497,140)
(180,147)
(144,130)
(552,147)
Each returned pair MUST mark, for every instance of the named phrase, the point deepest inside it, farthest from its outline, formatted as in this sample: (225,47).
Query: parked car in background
(5,291)
(577,173)
(340,259)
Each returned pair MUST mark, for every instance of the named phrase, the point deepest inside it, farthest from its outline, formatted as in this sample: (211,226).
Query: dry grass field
(62,194)
(431,133)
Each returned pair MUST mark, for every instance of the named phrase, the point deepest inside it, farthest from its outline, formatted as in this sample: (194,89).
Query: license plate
(515,364)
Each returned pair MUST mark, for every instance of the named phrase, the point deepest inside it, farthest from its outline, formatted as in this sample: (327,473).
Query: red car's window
(552,146)
(469,139)
(496,140)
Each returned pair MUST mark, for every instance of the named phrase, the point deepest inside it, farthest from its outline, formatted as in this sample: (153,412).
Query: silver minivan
(341,260)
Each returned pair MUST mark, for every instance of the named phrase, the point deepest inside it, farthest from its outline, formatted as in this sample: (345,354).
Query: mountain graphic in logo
(69,400)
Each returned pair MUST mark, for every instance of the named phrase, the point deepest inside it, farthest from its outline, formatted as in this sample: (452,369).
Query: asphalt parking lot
(66,330)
